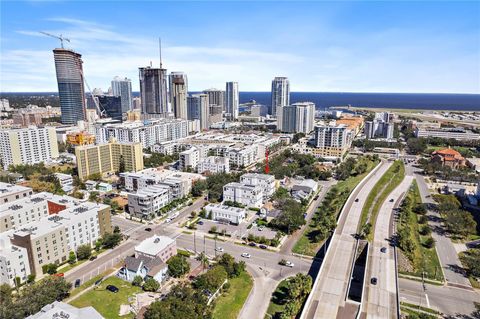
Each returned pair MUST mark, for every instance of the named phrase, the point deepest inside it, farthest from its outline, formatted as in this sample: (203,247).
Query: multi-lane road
(380,299)
(328,295)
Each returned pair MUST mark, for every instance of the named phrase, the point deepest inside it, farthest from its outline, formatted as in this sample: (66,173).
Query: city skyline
(336,51)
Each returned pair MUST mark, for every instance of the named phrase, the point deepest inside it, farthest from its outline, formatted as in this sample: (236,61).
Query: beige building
(10,193)
(28,146)
(105,158)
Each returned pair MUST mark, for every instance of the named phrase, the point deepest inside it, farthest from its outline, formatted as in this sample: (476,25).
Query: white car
(260,228)
(289,264)
(246,255)
(219,249)
(168,220)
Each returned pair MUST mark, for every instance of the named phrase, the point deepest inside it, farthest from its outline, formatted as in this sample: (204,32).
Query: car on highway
(263,247)
(77,283)
(246,255)
(200,222)
(391,200)
(112,288)
(93,258)
(383,249)
(356,200)
(219,249)
(374,280)
(252,244)
(286,263)
(148,229)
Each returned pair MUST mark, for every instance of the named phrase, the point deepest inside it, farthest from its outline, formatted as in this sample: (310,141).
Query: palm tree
(202,258)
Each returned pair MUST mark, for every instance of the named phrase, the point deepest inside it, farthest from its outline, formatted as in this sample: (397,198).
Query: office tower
(232,100)
(178,94)
(68,65)
(198,109)
(105,158)
(137,103)
(388,129)
(112,105)
(216,97)
(28,146)
(215,114)
(280,96)
(123,89)
(153,90)
(298,117)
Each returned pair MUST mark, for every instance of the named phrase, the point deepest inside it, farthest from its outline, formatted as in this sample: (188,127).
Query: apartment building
(180,183)
(332,141)
(224,213)
(243,156)
(10,193)
(189,159)
(213,165)
(51,239)
(13,262)
(146,202)
(80,138)
(28,146)
(106,158)
(265,181)
(248,195)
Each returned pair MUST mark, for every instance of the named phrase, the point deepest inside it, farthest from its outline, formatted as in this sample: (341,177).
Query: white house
(230,214)
(265,181)
(248,195)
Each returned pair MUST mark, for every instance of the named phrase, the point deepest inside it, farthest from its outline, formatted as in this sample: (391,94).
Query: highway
(327,298)
(380,300)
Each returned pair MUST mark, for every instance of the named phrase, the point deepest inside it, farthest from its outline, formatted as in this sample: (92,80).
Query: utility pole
(204,245)
(194,243)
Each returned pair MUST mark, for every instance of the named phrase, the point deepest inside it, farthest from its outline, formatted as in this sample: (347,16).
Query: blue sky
(338,46)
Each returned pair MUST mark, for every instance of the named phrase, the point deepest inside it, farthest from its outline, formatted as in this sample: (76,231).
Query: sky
(342,46)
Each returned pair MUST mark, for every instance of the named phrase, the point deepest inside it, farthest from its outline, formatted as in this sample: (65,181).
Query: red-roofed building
(449,157)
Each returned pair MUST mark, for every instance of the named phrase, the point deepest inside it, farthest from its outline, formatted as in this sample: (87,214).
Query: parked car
(391,200)
(148,229)
(200,222)
(77,283)
(383,249)
(252,244)
(263,247)
(112,288)
(374,280)
(219,249)
(246,255)
(260,228)
(356,200)
(93,258)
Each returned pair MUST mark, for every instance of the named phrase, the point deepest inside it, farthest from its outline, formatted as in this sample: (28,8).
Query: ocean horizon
(325,100)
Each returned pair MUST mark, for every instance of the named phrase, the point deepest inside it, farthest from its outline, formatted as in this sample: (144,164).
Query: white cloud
(380,62)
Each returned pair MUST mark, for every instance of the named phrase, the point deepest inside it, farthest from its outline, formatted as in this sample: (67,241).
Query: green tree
(72,258)
(233,268)
(291,218)
(111,240)
(30,279)
(84,252)
(211,280)
(203,259)
(470,260)
(137,281)
(416,145)
(151,285)
(178,266)
(50,269)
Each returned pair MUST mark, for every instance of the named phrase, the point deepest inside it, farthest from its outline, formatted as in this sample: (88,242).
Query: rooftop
(61,310)
(154,244)
(6,188)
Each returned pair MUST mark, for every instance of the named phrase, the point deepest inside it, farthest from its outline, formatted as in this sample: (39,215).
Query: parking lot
(236,232)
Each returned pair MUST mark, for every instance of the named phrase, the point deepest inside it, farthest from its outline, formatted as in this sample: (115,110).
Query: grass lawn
(229,304)
(106,302)
(277,303)
(426,259)
(306,245)
(379,193)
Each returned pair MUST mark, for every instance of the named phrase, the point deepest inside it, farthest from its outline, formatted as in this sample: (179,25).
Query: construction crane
(101,112)
(59,37)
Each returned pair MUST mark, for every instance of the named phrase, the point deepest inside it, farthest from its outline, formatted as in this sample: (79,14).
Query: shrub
(137,281)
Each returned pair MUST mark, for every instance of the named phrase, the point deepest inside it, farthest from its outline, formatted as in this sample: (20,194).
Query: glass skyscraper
(178,94)
(280,98)
(232,100)
(153,90)
(123,89)
(68,65)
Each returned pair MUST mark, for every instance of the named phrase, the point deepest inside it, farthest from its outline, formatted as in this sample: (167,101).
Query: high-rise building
(28,146)
(198,109)
(232,100)
(332,140)
(68,65)
(298,117)
(215,114)
(123,89)
(153,90)
(112,105)
(280,97)
(137,103)
(216,97)
(106,158)
(178,94)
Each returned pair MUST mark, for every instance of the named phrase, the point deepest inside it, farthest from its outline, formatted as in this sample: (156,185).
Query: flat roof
(154,244)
